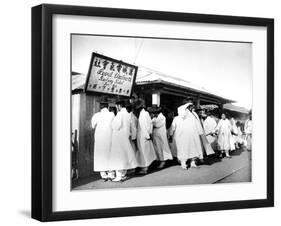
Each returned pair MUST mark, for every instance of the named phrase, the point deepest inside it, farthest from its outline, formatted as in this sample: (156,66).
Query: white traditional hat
(182,108)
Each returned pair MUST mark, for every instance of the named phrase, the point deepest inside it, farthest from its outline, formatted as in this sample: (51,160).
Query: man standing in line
(122,156)
(134,124)
(146,153)
(101,122)
(210,125)
(248,132)
(159,135)
(205,144)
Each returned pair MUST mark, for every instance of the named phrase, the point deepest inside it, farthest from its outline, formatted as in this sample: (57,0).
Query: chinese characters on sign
(111,76)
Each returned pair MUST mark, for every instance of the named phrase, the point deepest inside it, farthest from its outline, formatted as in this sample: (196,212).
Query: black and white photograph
(151,112)
(148,112)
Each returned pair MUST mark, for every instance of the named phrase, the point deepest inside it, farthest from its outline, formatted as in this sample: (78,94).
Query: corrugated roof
(148,76)
(232,107)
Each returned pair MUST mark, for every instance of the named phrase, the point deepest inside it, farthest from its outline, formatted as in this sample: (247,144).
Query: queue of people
(137,136)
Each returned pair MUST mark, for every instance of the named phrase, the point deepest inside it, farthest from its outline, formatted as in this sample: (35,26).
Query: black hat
(154,109)
(139,103)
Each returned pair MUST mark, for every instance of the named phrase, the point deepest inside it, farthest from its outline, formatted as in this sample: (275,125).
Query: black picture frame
(42,111)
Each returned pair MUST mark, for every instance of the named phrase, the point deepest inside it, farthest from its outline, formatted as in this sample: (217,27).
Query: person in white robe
(146,153)
(248,132)
(122,155)
(240,139)
(205,144)
(223,130)
(159,136)
(185,132)
(134,130)
(234,135)
(176,132)
(209,126)
(101,122)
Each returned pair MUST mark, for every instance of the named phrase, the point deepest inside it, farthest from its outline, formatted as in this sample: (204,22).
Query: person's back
(146,153)
(101,122)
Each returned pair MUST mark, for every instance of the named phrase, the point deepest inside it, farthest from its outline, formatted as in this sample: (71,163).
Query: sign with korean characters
(108,75)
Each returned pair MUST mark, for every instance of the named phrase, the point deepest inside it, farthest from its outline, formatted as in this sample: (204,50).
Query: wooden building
(154,87)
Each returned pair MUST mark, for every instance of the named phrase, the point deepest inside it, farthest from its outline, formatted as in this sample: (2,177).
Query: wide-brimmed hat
(154,109)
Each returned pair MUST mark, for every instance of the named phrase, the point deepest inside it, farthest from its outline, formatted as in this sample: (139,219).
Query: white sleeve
(94,120)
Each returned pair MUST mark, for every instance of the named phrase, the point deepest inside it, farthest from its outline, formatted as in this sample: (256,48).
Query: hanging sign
(108,75)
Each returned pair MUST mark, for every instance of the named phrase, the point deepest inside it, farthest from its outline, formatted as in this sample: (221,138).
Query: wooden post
(88,107)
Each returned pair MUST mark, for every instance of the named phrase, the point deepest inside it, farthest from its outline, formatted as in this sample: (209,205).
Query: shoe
(124,178)
(193,165)
(117,179)
(228,156)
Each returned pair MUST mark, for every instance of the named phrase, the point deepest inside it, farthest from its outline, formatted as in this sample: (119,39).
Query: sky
(223,68)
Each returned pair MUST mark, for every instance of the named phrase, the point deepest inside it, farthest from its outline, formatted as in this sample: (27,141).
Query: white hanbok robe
(248,131)
(160,140)
(101,121)
(234,135)
(210,125)
(122,154)
(146,153)
(134,130)
(224,134)
(186,136)
(176,131)
(206,145)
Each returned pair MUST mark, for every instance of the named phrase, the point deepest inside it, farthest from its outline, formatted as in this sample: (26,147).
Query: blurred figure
(159,136)
(101,122)
(240,140)
(248,132)
(234,135)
